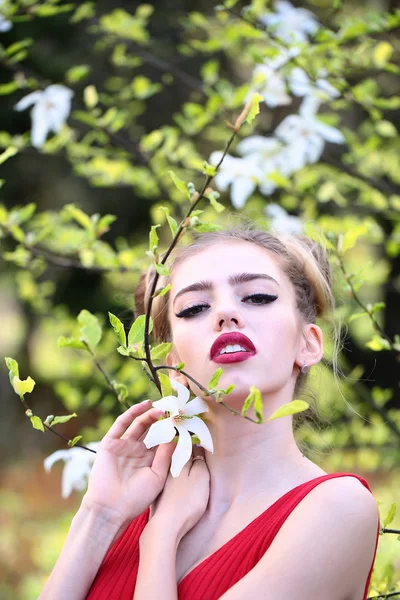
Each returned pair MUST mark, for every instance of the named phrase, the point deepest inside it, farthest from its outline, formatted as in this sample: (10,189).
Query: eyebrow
(233,280)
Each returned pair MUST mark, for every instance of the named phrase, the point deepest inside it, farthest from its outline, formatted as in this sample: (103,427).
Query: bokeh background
(154,86)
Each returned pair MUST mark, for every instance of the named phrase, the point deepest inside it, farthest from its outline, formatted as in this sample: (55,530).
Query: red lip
(232,338)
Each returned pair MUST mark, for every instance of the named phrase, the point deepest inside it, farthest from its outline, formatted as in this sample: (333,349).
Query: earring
(304,369)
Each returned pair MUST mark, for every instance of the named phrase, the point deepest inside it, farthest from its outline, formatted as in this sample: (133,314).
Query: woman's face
(236,287)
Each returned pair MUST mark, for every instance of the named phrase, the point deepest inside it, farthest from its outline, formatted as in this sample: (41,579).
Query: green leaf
(378,343)
(161,269)
(160,351)
(166,387)
(209,170)
(390,516)
(136,332)
(90,96)
(121,390)
(350,238)
(74,441)
(255,107)
(162,290)
(63,419)
(75,74)
(248,402)
(181,185)
(80,217)
(180,366)
(217,206)
(37,423)
(8,153)
(291,408)
(258,405)
(71,342)
(13,368)
(173,225)
(90,328)
(153,238)
(215,378)
(118,328)
(23,386)
(104,224)
(382,53)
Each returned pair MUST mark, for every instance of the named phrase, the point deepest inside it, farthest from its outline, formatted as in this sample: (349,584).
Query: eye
(192,311)
(260,298)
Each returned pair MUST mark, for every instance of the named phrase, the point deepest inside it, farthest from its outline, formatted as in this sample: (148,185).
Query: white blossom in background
(291,24)
(281,222)
(265,152)
(242,174)
(5,24)
(270,84)
(301,85)
(51,109)
(182,420)
(78,464)
(305,136)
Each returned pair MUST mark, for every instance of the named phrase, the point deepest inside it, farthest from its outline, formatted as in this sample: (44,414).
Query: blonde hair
(304,261)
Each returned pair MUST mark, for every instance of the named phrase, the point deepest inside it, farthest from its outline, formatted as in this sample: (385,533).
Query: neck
(249,459)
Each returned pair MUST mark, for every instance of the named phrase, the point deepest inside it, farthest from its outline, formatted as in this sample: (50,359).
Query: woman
(255,519)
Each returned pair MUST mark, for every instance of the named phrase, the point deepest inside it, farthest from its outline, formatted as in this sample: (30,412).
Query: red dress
(116,578)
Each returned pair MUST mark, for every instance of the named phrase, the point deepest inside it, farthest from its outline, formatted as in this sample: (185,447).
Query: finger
(198,464)
(162,460)
(124,420)
(138,427)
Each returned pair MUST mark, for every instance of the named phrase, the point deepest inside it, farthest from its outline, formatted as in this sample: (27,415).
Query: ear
(173,359)
(311,348)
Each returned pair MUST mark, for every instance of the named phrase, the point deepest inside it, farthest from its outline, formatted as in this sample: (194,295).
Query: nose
(227,315)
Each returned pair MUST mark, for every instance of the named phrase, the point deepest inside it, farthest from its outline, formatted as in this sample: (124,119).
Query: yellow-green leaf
(258,405)
(161,269)
(181,185)
(23,386)
(136,332)
(118,328)
(153,238)
(291,408)
(63,419)
(382,53)
(166,387)
(90,96)
(215,378)
(74,441)
(64,342)
(90,328)
(390,516)
(13,368)
(37,423)
(255,107)
(8,153)
(160,351)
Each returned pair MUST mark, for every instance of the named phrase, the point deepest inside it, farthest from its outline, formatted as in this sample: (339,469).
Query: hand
(183,500)
(127,477)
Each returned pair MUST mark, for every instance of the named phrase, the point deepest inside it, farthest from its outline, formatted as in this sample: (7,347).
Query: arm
(125,479)
(178,508)
(88,540)
(324,549)
(157,566)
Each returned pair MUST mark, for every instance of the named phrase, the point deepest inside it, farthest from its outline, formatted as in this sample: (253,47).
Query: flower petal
(183,392)
(241,189)
(199,428)
(58,455)
(28,100)
(169,403)
(182,452)
(161,432)
(195,407)
(74,477)
(330,134)
(40,124)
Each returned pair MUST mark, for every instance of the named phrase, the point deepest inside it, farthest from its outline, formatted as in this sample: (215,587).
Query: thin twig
(106,377)
(391,595)
(385,530)
(180,229)
(232,410)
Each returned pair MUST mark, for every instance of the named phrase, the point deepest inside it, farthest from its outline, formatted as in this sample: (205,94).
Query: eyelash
(188,312)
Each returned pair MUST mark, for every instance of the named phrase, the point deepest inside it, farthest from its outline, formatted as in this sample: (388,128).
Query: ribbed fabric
(116,578)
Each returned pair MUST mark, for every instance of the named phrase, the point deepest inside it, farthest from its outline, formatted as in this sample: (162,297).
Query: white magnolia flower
(305,136)
(265,152)
(78,464)
(5,24)
(301,85)
(242,174)
(283,223)
(270,84)
(50,111)
(291,24)
(182,419)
